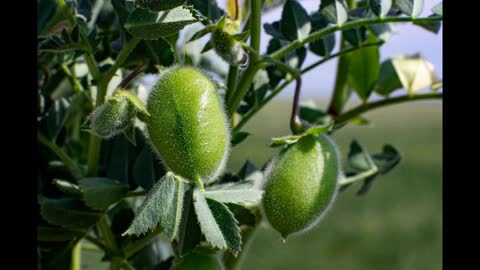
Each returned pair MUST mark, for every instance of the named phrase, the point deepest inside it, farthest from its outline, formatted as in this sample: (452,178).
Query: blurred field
(397,226)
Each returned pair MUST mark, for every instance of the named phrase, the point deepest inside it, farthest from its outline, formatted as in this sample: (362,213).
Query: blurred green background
(396,226)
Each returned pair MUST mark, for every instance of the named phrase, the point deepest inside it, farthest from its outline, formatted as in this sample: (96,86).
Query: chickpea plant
(141,178)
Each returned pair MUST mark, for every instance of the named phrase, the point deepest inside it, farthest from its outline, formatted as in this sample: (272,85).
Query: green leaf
(100,193)
(122,10)
(311,113)
(208,46)
(380,7)
(135,101)
(239,137)
(68,212)
(159,5)
(217,223)
(334,11)
(382,31)
(189,232)
(388,80)
(291,139)
(295,23)
(241,36)
(209,8)
(324,46)
(68,188)
(355,36)
(150,25)
(433,27)
(412,8)
(202,33)
(358,157)
(388,159)
(236,196)
(363,69)
(143,170)
(438,9)
(162,207)
(273,29)
(76,40)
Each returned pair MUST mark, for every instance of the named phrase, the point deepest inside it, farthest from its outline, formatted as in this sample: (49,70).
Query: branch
(384,102)
(352,24)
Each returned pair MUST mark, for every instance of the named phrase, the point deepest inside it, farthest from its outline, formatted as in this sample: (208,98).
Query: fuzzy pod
(187,126)
(112,117)
(228,48)
(301,184)
(159,5)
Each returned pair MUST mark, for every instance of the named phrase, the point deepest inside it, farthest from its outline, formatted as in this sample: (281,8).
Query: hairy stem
(381,103)
(77,87)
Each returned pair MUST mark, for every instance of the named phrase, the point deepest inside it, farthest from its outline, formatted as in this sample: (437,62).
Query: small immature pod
(113,117)
(301,184)
(187,126)
(228,48)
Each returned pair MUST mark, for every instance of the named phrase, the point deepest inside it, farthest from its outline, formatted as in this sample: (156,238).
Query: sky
(318,83)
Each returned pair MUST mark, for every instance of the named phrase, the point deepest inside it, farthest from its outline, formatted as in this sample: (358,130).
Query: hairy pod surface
(228,48)
(301,184)
(197,261)
(112,117)
(187,126)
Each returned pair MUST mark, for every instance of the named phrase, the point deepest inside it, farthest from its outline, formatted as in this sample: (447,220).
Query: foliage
(95,161)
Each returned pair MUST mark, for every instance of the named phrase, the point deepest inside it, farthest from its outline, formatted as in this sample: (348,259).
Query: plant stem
(76,257)
(69,163)
(95,241)
(77,87)
(122,56)
(381,103)
(92,66)
(295,121)
(107,235)
(116,263)
(131,76)
(255,28)
(352,24)
(340,89)
(242,89)
(231,81)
